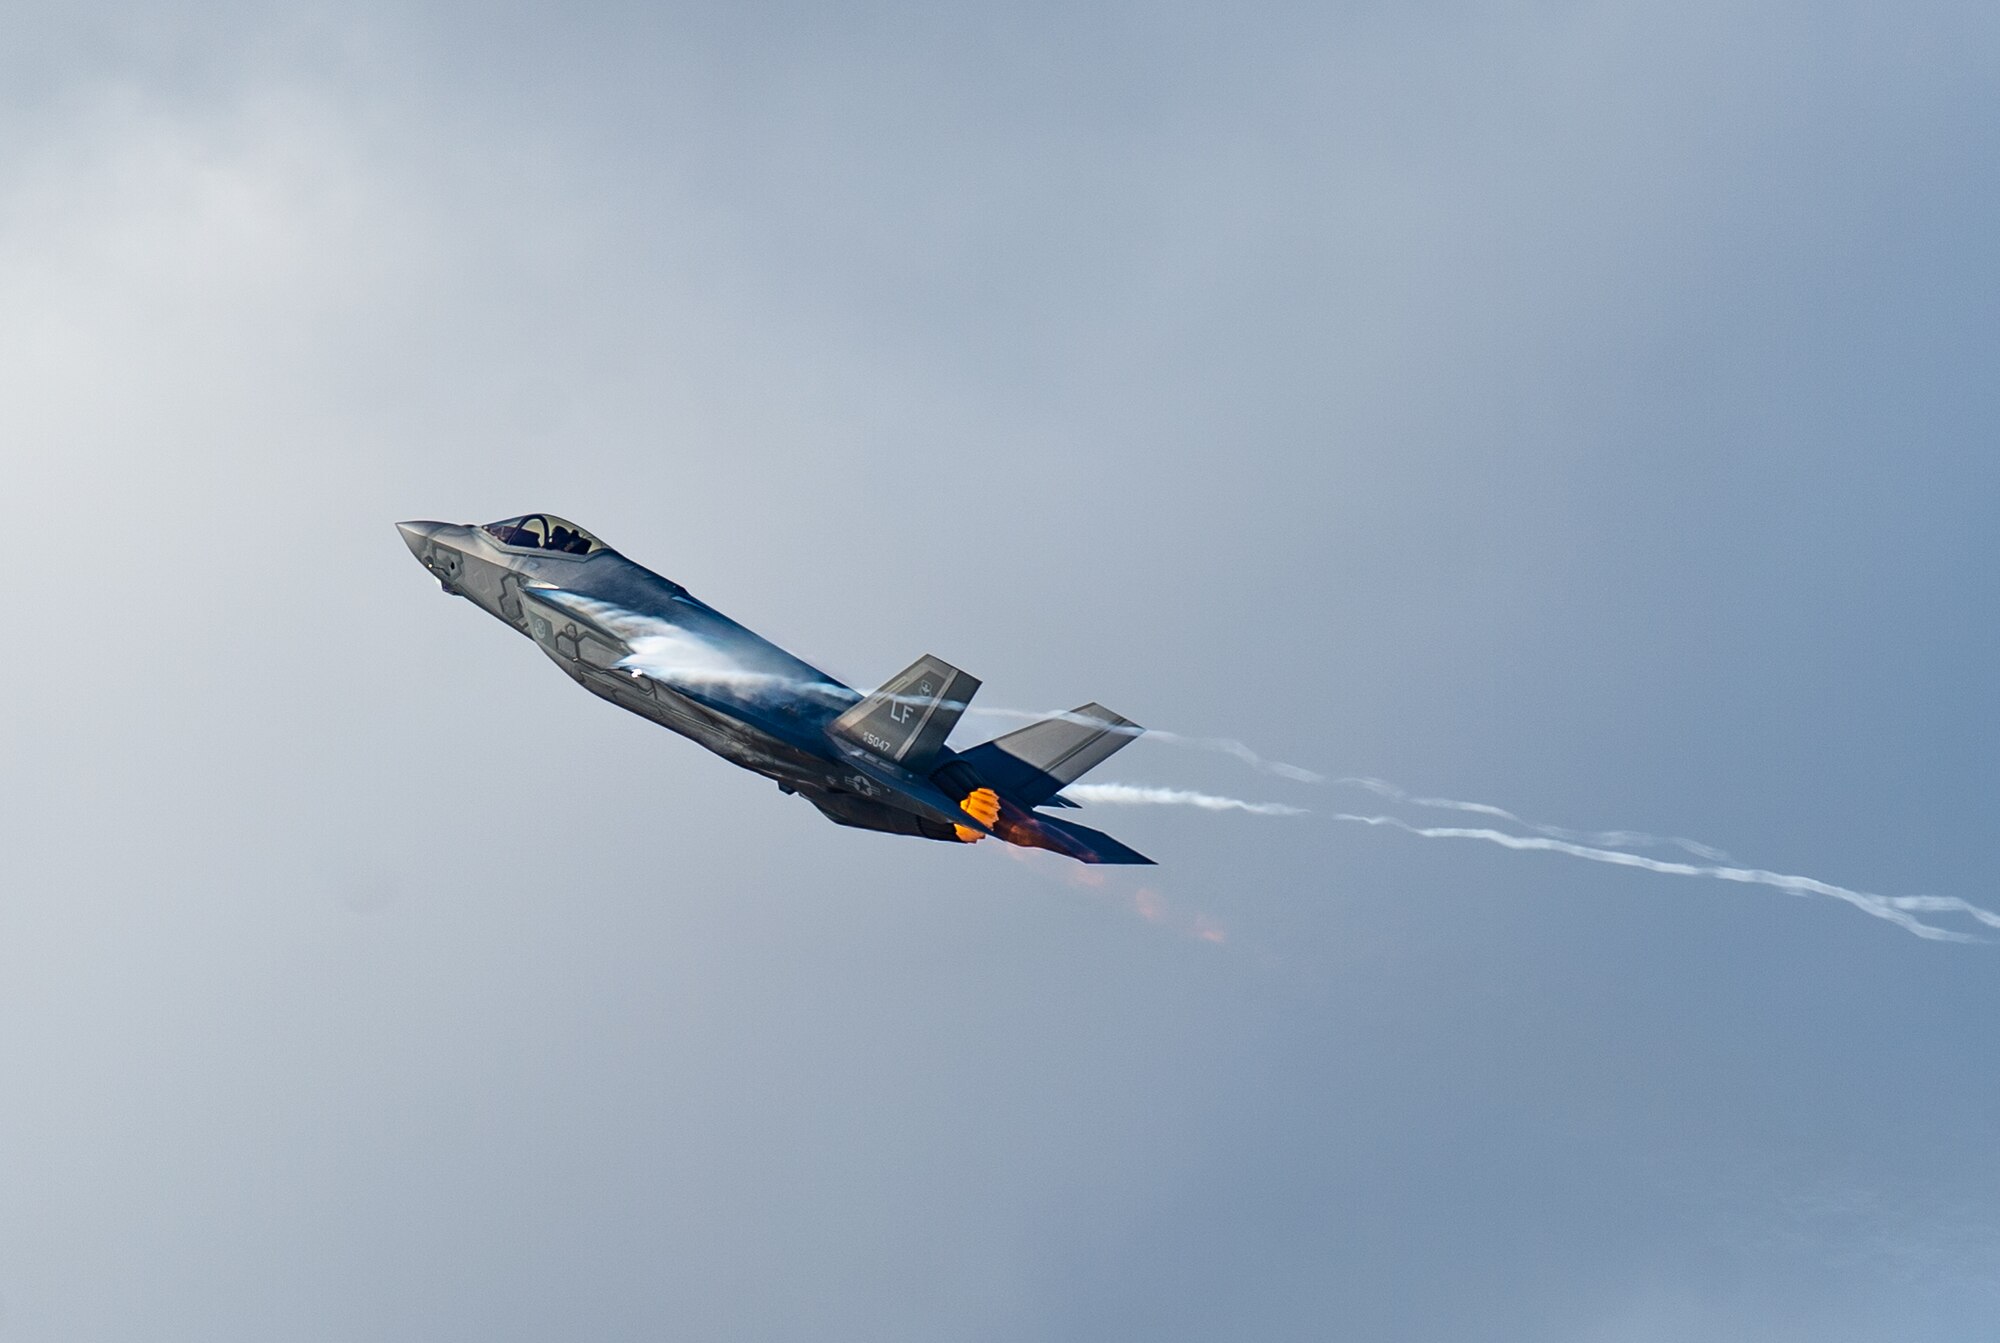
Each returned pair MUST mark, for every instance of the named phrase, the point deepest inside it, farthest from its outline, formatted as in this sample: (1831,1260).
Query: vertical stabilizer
(908,719)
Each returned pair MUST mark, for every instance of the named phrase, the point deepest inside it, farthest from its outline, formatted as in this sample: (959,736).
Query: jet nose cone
(416,533)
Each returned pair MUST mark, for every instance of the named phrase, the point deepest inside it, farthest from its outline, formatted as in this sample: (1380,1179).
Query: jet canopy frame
(544,531)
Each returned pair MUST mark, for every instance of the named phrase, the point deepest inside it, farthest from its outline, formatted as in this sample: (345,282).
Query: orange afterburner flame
(983,806)
(1015,825)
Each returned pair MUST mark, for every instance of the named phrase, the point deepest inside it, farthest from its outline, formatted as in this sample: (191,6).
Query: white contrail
(1895,908)
(1231,747)
(1129,794)
(673,654)
(1613,839)
(1228,746)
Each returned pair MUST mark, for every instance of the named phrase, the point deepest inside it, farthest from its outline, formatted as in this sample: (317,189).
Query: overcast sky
(1584,409)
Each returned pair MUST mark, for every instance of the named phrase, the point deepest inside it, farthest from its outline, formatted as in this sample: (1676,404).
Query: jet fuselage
(876,762)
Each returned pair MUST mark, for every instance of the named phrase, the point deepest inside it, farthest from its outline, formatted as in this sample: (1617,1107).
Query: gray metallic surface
(1033,764)
(877,762)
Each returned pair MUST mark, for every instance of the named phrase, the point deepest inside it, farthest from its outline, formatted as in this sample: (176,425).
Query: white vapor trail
(1897,909)
(1137,795)
(1228,746)
(1611,839)
(1231,747)
(678,656)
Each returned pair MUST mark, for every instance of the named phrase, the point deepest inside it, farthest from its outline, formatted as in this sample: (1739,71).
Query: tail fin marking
(908,718)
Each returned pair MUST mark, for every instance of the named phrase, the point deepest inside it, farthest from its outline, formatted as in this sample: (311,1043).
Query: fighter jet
(876,761)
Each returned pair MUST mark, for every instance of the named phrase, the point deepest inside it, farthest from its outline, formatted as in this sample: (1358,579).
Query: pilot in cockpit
(539,531)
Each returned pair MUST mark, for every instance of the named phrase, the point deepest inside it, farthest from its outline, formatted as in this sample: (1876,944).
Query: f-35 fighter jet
(877,762)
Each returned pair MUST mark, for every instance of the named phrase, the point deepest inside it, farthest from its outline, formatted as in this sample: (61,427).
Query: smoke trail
(1895,908)
(1612,839)
(1129,795)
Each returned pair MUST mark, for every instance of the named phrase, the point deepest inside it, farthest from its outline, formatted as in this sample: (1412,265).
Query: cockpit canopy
(544,531)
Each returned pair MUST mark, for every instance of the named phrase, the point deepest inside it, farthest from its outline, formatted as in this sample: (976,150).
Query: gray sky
(1586,409)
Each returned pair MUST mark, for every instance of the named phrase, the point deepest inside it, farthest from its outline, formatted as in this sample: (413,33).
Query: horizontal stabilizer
(908,719)
(1031,765)
(1084,844)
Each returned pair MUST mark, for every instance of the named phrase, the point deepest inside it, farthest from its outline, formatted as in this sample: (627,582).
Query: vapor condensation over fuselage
(875,762)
